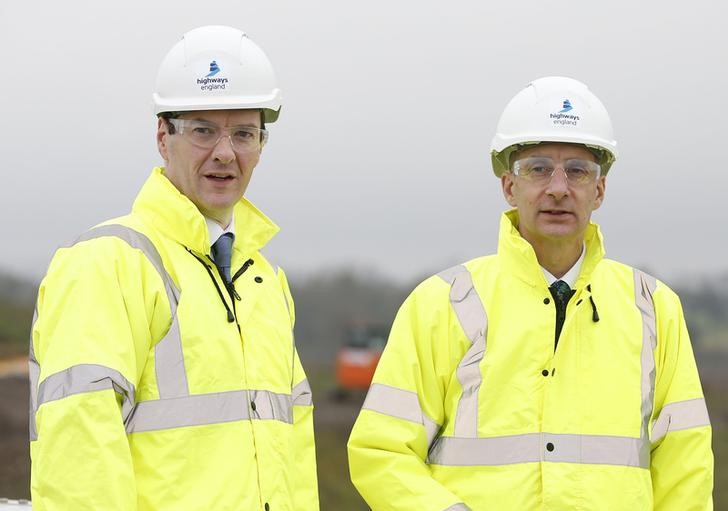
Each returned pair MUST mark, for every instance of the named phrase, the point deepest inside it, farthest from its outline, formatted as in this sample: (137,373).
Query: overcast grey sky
(380,156)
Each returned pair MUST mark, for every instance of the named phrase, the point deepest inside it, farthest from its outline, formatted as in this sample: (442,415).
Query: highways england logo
(209,82)
(562,118)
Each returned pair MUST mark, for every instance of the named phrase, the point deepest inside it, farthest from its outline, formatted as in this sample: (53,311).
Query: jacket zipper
(231,316)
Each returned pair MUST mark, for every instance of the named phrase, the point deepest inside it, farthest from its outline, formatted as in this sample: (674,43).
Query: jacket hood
(520,258)
(168,210)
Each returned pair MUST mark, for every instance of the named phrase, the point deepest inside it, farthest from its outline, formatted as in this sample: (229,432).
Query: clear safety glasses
(206,135)
(540,170)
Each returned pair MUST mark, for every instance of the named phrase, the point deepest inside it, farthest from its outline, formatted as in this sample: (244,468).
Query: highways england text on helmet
(553,109)
(217,68)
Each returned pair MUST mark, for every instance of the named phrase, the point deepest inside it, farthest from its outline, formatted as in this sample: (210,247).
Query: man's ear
(162,134)
(601,189)
(507,186)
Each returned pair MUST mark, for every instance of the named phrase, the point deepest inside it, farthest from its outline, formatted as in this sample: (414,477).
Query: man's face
(213,179)
(555,210)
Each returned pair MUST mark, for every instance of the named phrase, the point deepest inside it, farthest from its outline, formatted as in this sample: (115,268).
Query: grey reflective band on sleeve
(205,409)
(400,404)
(168,358)
(644,288)
(34,377)
(471,314)
(457,507)
(301,394)
(540,447)
(80,379)
(137,240)
(679,416)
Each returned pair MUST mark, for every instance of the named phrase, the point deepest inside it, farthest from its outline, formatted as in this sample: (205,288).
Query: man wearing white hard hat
(543,377)
(164,374)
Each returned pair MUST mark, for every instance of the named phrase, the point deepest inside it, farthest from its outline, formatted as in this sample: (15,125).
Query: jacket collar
(518,257)
(172,213)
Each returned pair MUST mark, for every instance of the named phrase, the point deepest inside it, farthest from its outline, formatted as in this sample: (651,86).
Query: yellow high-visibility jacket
(155,388)
(472,409)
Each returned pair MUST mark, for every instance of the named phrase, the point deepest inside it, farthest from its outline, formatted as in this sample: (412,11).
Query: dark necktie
(222,251)
(561,292)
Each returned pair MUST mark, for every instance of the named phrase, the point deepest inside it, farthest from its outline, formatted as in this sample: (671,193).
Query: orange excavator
(357,358)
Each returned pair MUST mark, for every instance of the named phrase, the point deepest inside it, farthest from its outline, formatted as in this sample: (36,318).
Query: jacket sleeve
(404,409)
(304,479)
(682,460)
(89,342)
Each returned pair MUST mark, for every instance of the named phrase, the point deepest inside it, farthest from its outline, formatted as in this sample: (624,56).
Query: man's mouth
(219,177)
(556,212)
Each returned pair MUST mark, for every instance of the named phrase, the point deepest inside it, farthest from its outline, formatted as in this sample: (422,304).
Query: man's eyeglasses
(540,169)
(244,139)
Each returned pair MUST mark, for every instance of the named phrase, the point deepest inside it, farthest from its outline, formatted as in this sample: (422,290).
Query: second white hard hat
(217,68)
(553,109)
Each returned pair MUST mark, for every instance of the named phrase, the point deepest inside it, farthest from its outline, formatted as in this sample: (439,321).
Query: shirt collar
(571,275)
(216,231)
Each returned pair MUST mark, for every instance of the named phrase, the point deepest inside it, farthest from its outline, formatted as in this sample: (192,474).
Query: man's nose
(558,185)
(223,151)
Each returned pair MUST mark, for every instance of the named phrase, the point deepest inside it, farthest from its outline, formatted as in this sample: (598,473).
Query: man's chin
(559,230)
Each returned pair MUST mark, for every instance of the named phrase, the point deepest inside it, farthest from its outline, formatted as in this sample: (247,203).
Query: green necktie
(562,293)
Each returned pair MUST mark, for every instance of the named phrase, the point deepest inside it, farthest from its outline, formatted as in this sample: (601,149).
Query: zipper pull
(595,313)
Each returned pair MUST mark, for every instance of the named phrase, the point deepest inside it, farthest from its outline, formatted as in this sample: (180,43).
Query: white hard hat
(217,68)
(553,109)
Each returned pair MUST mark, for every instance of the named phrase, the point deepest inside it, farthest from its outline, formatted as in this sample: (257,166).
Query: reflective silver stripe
(168,358)
(458,507)
(644,288)
(83,378)
(486,451)
(216,408)
(680,415)
(534,447)
(401,404)
(432,428)
(466,303)
(471,313)
(34,375)
(271,405)
(301,394)
(169,364)
(597,449)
